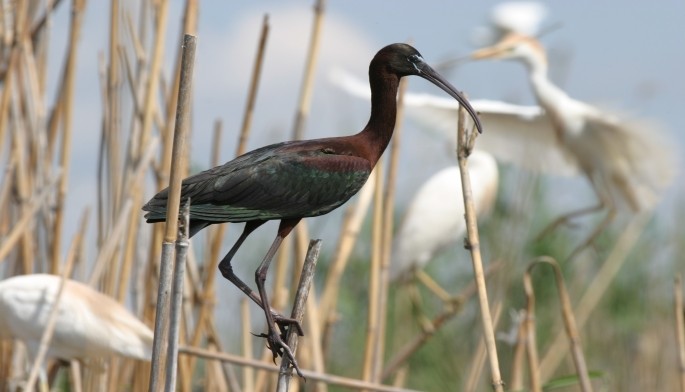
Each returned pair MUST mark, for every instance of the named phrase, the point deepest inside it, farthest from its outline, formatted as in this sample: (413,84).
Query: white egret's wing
(515,134)
(633,156)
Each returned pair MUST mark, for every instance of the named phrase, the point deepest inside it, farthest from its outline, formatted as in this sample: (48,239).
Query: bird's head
(513,46)
(403,60)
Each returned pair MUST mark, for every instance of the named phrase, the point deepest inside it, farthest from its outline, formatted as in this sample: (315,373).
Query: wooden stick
(248,372)
(473,244)
(327,378)
(680,328)
(177,170)
(306,278)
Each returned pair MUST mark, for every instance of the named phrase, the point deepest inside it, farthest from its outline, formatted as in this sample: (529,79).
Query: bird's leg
(275,341)
(417,306)
(564,219)
(606,202)
(227,269)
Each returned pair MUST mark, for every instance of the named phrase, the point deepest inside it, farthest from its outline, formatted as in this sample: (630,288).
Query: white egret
(434,218)
(89,324)
(627,161)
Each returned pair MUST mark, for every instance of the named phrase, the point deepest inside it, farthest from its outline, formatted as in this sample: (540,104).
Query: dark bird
(298,179)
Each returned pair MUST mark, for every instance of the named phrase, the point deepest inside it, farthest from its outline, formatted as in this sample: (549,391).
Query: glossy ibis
(297,179)
(89,324)
(626,160)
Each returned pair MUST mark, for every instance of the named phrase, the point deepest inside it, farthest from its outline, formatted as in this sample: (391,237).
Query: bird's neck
(548,95)
(378,131)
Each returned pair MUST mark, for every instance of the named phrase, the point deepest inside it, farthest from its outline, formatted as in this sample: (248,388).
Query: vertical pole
(177,170)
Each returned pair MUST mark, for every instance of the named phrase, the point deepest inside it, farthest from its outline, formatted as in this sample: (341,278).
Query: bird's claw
(285,323)
(278,348)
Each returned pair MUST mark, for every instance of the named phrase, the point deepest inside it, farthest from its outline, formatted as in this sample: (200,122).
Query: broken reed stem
(588,302)
(397,361)
(67,99)
(177,288)
(46,337)
(473,245)
(178,166)
(313,376)
(306,278)
(679,328)
(569,320)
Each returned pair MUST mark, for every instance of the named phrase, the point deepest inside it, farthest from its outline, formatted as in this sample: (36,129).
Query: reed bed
(358,333)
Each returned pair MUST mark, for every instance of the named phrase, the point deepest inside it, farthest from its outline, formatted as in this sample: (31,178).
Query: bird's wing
(287,180)
(515,134)
(634,156)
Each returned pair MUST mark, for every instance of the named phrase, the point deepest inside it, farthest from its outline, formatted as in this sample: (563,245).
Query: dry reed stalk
(412,345)
(679,328)
(606,274)
(516,383)
(473,245)
(181,244)
(52,317)
(352,223)
(248,372)
(569,319)
(27,217)
(478,360)
(304,104)
(309,375)
(178,167)
(301,295)
(67,98)
(374,277)
(530,335)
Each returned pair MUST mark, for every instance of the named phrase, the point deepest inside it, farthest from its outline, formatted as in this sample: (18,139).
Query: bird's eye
(414,58)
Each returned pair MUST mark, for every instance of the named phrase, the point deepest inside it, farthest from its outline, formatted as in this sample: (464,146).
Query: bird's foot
(286,323)
(278,347)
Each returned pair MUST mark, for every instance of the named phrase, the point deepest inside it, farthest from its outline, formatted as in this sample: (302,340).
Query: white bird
(89,324)
(524,17)
(627,161)
(434,218)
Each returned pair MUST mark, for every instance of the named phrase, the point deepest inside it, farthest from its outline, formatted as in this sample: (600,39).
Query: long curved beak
(432,76)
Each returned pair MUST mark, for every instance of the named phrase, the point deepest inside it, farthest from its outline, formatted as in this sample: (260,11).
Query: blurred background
(626,56)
